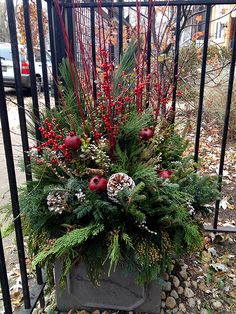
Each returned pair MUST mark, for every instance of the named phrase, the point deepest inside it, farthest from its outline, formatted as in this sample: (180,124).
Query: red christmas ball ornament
(146,133)
(72,141)
(98,183)
(165,174)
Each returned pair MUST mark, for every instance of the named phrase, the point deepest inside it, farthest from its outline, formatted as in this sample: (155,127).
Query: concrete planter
(117,292)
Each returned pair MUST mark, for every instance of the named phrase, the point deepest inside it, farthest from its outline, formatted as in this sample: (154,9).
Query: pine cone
(116,183)
(57,202)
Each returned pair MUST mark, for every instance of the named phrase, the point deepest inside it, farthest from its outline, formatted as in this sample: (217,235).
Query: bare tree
(4,32)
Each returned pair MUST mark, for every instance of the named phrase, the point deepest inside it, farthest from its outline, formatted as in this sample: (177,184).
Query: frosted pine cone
(57,202)
(116,183)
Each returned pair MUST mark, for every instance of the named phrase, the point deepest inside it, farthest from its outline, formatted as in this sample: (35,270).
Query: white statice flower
(80,196)
(191,209)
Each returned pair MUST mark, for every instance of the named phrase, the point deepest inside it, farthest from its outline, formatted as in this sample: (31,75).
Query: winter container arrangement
(114,194)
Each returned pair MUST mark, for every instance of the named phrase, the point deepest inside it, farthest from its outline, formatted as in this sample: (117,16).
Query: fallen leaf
(232,293)
(206,257)
(202,286)
(212,251)
(16,299)
(219,267)
(224,203)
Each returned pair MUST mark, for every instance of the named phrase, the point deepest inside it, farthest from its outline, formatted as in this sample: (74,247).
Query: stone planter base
(117,292)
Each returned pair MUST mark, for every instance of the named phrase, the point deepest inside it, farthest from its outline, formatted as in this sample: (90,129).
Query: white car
(8,71)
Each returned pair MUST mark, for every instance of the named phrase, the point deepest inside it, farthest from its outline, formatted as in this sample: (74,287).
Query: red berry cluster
(52,133)
(139,89)
(106,100)
(53,139)
(112,111)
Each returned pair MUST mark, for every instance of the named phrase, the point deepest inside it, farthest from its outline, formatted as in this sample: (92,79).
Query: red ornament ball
(146,133)
(165,174)
(98,183)
(72,141)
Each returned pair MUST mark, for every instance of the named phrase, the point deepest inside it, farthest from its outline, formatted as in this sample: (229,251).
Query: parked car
(8,71)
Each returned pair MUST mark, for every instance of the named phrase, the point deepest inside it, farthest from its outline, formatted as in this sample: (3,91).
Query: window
(37,56)
(5,53)
(219,30)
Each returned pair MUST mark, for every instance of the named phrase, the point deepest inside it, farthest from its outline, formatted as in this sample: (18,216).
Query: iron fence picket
(13,191)
(53,52)
(120,30)
(69,22)
(18,87)
(149,47)
(30,54)
(4,281)
(111,45)
(176,58)
(93,42)
(43,54)
(34,91)
(226,125)
(149,39)
(59,42)
(202,84)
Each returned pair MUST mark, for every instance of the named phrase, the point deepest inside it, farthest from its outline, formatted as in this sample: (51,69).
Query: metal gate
(57,46)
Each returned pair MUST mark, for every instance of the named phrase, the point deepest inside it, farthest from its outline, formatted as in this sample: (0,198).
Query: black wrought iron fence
(57,48)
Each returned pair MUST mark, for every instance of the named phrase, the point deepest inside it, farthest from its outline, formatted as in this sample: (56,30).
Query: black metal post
(4,280)
(202,83)
(40,282)
(149,48)
(18,87)
(20,100)
(111,46)
(226,125)
(43,54)
(176,59)
(93,40)
(52,48)
(13,191)
(60,50)
(33,84)
(70,29)
(120,30)
(149,39)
